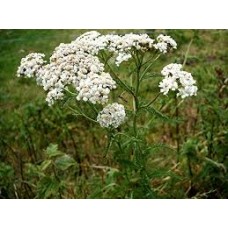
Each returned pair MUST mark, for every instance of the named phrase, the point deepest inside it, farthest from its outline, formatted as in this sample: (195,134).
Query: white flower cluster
(165,43)
(113,115)
(73,64)
(122,57)
(177,79)
(95,88)
(30,65)
(77,64)
(123,45)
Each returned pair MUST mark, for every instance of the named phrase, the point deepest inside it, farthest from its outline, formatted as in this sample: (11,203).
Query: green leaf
(132,140)
(52,151)
(65,162)
(6,173)
(216,164)
(157,113)
(123,84)
(33,170)
(157,147)
(151,75)
(45,164)
(48,187)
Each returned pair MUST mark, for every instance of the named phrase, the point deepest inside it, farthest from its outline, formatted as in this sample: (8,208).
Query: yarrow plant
(88,70)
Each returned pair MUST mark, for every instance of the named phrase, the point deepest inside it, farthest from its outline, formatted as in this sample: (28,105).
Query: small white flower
(122,57)
(113,115)
(54,94)
(187,91)
(168,83)
(186,79)
(172,69)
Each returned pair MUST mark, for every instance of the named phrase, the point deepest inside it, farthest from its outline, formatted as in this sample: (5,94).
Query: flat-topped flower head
(177,79)
(165,43)
(172,69)
(123,45)
(95,88)
(168,83)
(113,115)
(75,64)
(30,65)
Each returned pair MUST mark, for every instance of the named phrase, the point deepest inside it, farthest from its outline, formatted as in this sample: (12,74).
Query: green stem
(135,98)
(117,79)
(177,129)
(74,94)
(148,67)
(177,114)
(79,113)
(151,102)
(187,52)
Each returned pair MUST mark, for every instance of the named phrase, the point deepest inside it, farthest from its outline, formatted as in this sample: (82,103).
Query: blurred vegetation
(49,153)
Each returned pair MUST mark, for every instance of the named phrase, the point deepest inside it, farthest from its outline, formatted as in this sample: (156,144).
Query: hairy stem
(177,129)
(135,97)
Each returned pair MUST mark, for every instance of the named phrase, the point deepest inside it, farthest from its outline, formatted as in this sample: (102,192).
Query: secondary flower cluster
(95,88)
(165,43)
(77,64)
(122,46)
(30,65)
(177,79)
(113,115)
